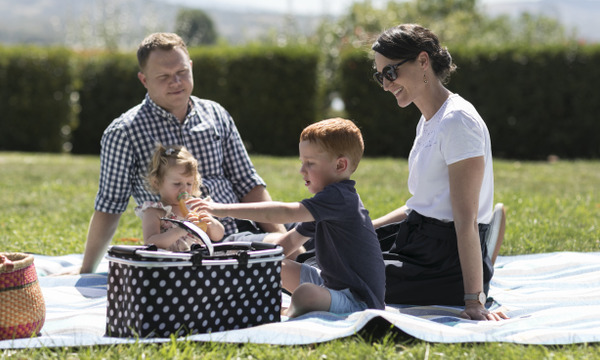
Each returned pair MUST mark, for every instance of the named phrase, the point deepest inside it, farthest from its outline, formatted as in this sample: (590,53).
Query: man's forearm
(100,232)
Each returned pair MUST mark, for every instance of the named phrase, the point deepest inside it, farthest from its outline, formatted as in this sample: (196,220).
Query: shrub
(108,87)
(271,92)
(35,98)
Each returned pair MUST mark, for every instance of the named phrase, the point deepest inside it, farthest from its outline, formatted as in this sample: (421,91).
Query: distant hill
(69,22)
(581,15)
(65,21)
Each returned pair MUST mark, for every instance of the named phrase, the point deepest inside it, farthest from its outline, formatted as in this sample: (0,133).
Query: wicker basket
(22,307)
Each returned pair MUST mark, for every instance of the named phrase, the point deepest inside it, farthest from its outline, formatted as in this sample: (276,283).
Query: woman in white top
(438,256)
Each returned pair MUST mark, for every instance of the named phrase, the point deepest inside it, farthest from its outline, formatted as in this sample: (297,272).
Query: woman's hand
(476,311)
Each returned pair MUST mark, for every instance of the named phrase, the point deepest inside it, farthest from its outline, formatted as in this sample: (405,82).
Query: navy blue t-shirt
(346,246)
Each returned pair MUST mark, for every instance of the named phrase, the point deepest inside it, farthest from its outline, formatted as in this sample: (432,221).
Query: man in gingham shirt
(169,115)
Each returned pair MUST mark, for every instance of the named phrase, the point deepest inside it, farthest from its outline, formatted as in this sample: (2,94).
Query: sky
(300,7)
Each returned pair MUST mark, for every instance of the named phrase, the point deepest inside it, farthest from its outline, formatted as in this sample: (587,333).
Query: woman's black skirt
(422,264)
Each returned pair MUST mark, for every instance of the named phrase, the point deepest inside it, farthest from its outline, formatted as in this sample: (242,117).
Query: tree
(195,27)
(457,22)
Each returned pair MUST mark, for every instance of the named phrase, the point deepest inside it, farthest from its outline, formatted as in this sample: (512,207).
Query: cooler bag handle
(249,253)
(130,250)
(262,246)
(194,230)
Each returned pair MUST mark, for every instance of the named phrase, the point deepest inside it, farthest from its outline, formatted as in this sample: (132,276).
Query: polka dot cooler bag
(157,293)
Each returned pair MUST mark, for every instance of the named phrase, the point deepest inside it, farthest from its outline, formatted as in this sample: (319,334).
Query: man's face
(168,78)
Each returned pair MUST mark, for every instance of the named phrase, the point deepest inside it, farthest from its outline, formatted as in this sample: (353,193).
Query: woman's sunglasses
(389,72)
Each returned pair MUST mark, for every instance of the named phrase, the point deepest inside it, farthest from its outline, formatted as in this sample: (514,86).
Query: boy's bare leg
(290,277)
(306,297)
(309,297)
(290,274)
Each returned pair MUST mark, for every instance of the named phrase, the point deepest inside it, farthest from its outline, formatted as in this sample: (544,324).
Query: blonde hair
(338,137)
(164,158)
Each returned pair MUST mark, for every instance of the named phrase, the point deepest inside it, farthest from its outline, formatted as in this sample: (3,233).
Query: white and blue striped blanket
(551,298)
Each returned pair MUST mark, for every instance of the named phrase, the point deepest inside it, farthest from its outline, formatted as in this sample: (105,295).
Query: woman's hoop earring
(425,79)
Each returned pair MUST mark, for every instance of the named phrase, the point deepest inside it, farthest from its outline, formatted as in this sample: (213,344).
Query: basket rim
(19,260)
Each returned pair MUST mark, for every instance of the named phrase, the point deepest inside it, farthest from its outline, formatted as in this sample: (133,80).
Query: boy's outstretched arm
(265,211)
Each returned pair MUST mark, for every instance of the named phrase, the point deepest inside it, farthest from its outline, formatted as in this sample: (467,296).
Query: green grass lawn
(47,201)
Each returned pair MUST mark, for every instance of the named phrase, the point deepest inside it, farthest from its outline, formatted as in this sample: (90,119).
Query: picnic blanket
(551,298)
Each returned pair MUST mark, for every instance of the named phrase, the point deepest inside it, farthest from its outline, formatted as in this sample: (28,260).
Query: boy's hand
(208,207)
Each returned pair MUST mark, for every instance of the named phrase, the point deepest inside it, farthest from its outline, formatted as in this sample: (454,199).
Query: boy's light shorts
(342,301)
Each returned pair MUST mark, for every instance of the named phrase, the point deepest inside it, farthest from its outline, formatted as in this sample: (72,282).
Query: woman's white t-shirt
(456,132)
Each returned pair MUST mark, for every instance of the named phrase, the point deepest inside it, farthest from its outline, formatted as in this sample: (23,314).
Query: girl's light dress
(184,243)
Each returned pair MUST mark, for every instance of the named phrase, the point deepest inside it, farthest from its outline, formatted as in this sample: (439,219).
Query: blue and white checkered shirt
(208,132)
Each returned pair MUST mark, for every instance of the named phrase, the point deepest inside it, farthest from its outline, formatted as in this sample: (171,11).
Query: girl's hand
(192,217)
(206,217)
(196,219)
(214,228)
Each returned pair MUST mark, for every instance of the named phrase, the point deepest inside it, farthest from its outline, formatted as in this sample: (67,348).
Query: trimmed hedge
(536,101)
(271,92)
(35,89)
(109,86)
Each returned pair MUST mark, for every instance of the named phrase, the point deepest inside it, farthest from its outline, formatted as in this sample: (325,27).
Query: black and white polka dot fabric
(148,299)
